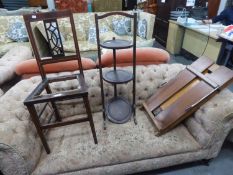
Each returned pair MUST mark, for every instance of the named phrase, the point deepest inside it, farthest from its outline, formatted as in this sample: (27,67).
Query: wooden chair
(56,52)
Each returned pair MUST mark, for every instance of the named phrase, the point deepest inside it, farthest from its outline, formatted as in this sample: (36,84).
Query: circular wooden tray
(117,76)
(116,44)
(118,110)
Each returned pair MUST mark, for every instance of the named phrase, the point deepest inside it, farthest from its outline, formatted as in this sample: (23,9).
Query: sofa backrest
(87,20)
(85,23)
(5,24)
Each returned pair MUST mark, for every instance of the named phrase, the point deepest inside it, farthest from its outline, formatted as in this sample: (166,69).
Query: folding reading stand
(182,96)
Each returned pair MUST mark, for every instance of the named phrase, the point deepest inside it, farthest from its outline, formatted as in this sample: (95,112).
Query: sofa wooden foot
(206,162)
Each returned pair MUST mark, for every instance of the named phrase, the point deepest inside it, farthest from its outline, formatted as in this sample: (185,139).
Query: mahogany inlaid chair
(56,54)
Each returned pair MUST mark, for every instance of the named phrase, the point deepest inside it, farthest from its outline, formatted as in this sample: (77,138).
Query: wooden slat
(41,112)
(64,123)
(179,94)
(48,15)
(71,94)
(182,79)
(168,117)
(203,77)
(223,76)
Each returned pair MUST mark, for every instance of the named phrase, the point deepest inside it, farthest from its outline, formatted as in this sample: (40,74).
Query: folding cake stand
(118,109)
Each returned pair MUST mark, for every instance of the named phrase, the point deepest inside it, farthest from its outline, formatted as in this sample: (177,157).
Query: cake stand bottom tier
(118,110)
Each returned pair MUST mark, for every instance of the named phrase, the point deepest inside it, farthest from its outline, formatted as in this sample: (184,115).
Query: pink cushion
(144,56)
(31,67)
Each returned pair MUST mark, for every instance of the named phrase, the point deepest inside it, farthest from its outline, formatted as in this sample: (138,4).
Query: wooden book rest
(183,95)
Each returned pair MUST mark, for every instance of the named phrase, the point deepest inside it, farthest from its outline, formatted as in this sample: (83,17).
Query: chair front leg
(89,115)
(36,121)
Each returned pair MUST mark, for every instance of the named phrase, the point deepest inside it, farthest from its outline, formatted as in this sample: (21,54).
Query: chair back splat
(54,38)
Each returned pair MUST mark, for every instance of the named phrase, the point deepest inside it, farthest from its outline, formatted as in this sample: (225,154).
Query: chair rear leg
(89,115)
(36,122)
(56,112)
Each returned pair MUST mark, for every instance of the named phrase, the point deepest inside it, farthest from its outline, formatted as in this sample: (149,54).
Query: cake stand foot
(104,125)
(135,120)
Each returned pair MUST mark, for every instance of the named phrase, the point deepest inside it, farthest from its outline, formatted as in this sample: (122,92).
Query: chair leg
(104,117)
(88,110)
(57,114)
(36,122)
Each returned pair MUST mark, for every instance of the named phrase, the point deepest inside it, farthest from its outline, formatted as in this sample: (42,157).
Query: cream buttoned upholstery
(10,60)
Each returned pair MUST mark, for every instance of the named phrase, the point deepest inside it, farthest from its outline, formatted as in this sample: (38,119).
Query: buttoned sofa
(122,148)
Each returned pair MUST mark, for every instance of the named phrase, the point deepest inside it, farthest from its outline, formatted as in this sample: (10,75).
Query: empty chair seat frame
(56,54)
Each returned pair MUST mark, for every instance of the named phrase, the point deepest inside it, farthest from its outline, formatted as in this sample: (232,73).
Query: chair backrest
(54,40)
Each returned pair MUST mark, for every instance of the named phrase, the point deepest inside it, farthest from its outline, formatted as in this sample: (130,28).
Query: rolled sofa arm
(11,59)
(11,162)
(20,147)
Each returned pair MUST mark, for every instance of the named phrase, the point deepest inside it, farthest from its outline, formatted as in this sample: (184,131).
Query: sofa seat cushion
(144,56)
(72,148)
(31,67)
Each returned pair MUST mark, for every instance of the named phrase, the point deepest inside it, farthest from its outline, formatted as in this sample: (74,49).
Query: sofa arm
(208,122)
(150,18)
(17,131)
(10,59)
(11,162)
